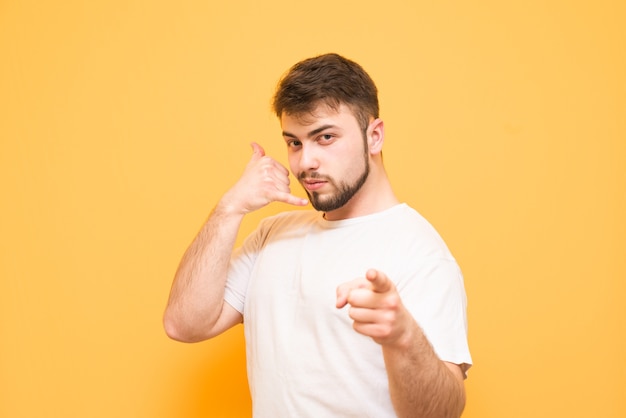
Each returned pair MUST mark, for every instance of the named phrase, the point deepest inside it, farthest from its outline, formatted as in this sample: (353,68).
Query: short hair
(330,79)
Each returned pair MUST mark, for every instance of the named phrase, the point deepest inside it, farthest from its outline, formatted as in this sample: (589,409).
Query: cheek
(293,166)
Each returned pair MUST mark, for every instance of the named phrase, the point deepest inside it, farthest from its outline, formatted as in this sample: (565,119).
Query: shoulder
(293,217)
(417,232)
(286,221)
(277,227)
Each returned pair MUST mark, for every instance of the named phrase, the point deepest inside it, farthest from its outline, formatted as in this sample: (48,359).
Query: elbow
(173,329)
(178,330)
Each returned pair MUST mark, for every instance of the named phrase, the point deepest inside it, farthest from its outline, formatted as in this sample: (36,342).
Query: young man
(356,309)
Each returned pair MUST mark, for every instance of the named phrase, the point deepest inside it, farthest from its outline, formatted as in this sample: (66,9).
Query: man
(356,309)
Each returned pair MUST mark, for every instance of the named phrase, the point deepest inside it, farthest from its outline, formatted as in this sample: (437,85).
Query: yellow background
(122,122)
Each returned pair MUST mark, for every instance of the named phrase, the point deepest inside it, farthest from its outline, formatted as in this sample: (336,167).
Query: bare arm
(196,310)
(420,384)
(196,302)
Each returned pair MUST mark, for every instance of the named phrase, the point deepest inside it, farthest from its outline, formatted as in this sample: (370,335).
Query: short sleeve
(435,296)
(240,269)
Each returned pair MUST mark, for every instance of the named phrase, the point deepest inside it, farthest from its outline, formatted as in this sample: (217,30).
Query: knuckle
(392,302)
(389,318)
(385,331)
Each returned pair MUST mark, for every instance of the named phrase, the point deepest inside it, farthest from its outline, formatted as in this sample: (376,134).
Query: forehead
(341,116)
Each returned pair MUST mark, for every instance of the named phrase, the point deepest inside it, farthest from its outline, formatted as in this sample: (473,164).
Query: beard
(344,191)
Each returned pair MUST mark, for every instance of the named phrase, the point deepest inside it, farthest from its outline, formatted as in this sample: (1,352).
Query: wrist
(228,206)
(226,210)
(406,338)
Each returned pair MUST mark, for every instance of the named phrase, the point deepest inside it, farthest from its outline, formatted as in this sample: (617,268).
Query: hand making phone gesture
(263,181)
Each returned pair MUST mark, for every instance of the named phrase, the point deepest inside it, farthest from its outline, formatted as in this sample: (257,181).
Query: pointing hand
(375,307)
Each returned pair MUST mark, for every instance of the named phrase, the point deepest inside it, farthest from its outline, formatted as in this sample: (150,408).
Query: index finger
(380,282)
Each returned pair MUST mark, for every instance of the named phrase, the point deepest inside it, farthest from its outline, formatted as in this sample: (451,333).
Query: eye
(326,137)
(294,143)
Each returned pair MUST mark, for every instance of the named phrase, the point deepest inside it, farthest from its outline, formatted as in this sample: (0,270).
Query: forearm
(196,303)
(197,294)
(420,384)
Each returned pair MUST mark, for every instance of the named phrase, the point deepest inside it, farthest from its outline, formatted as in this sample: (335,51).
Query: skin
(330,156)
(331,144)
(327,192)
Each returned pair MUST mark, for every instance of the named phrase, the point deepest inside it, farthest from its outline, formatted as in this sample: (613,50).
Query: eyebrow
(312,133)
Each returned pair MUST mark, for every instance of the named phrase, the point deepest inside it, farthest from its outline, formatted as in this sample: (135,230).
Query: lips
(313,184)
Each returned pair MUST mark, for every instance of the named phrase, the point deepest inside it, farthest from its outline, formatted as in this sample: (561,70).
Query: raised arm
(420,384)
(196,310)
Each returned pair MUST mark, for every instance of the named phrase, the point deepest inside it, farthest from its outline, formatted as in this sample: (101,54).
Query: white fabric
(304,358)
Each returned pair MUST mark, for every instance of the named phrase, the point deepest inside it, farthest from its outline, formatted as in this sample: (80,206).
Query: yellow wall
(122,122)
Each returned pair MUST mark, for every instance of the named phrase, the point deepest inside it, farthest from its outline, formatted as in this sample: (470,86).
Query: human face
(327,154)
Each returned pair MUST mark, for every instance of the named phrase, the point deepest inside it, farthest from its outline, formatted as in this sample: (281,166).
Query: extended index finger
(380,282)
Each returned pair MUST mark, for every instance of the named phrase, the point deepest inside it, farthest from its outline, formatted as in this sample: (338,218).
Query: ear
(375,136)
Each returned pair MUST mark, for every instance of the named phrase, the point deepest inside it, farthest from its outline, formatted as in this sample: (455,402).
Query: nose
(308,158)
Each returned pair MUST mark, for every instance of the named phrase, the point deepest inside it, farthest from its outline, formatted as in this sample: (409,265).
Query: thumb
(257,151)
(344,289)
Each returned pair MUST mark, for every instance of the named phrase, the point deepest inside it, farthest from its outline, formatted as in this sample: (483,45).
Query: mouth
(313,184)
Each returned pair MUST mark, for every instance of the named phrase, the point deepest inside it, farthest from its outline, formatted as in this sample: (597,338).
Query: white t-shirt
(304,358)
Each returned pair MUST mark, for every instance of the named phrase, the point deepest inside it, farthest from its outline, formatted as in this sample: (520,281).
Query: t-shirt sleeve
(236,284)
(240,269)
(435,295)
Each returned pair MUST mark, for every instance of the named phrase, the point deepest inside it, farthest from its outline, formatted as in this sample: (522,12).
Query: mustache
(312,175)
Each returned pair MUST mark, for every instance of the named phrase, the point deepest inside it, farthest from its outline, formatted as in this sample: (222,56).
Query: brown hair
(331,79)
